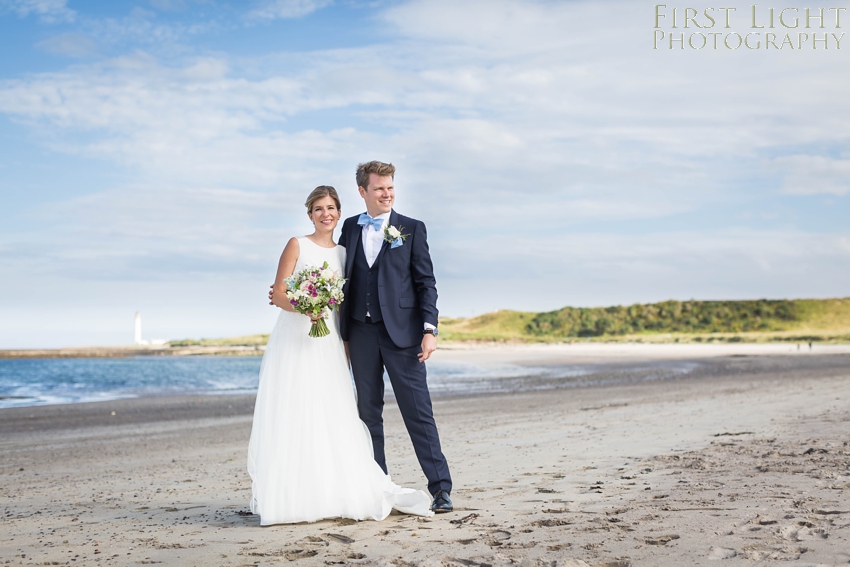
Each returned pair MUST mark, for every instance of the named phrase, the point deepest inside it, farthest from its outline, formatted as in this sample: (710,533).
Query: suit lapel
(385,244)
(357,240)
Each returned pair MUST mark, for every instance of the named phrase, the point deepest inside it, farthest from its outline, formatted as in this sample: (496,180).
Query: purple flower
(332,301)
(293,302)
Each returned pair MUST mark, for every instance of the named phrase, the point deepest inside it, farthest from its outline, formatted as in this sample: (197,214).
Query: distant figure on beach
(310,456)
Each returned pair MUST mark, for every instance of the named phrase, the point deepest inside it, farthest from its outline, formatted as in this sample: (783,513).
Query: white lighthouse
(137,336)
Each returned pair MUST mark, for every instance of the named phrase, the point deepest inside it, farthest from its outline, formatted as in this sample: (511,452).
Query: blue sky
(155,155)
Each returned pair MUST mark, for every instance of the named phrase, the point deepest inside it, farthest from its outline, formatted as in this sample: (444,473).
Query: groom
(389,320)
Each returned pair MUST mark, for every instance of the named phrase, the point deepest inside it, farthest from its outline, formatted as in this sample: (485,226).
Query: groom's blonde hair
(321,192)
(376,167)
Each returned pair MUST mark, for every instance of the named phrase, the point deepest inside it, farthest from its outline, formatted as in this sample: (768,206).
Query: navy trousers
(371,350)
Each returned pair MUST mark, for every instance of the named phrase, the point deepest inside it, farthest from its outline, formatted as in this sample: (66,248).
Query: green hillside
(755,320)
(249,340)
(760,320)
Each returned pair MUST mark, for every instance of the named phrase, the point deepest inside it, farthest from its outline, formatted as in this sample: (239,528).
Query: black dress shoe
(442,502)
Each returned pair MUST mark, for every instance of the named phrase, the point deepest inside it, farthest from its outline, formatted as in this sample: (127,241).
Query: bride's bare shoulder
(292,249)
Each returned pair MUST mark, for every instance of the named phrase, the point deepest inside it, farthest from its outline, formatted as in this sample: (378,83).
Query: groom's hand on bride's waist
(429,345)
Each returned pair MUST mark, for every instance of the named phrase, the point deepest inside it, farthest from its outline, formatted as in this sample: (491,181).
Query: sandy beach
(745,461)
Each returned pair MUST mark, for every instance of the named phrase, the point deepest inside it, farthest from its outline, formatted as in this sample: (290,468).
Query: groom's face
(379,195)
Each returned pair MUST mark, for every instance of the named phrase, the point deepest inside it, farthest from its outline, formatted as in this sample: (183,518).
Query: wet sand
(745,461)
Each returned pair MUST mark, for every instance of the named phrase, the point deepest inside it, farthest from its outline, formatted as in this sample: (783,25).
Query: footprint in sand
(661,540)
(465,519)
(294,554)
(551,522)
(718,553)
(572,563)
(314,541)
(497,537)
(499,534)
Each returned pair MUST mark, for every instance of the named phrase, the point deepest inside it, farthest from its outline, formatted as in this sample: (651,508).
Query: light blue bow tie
(366,219)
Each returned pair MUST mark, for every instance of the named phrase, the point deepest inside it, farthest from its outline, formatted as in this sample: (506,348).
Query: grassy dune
(248,340)
(798,320)
(670,321)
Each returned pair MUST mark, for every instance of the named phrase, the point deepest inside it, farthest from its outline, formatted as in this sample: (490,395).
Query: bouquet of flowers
(315,292)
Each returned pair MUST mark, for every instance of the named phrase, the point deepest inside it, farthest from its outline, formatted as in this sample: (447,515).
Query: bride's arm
(285,267)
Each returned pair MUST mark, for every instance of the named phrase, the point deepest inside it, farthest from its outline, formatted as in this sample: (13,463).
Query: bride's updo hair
(321,192)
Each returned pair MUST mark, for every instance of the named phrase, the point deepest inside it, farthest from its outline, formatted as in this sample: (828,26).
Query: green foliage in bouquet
(315,292)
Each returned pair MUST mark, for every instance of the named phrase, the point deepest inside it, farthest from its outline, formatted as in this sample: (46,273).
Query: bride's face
(324,214)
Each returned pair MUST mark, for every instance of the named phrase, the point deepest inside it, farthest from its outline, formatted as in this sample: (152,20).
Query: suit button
(368,304)
(368,294)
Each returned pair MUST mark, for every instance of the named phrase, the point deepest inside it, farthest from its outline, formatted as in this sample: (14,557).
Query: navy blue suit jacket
(407,289)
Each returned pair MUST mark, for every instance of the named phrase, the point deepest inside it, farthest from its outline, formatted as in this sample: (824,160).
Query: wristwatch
(433,331)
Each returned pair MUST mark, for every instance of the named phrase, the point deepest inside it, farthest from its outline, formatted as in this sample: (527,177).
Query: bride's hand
(278,299)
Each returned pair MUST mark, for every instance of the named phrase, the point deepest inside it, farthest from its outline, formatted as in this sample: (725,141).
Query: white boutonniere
(395,235)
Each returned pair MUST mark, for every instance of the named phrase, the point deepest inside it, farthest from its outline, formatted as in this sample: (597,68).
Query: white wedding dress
(310,457)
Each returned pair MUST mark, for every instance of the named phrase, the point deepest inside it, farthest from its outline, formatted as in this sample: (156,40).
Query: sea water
(27,382)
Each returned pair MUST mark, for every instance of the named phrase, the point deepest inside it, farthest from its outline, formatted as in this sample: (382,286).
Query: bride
(310,457)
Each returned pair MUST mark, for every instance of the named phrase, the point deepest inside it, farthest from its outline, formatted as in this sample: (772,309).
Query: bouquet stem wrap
(316,292)
(319,329)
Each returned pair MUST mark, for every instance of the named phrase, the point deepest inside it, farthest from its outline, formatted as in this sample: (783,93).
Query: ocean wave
(60,381)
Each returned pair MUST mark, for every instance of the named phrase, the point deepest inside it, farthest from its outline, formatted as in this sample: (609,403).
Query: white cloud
(69,45)
(146,233)
(597,269)
(141,28)
(175,5)
(271,9)
(601,112)
(815,175)
(48,11)
(505,28)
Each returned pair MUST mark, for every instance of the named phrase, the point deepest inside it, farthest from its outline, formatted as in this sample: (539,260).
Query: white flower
(393,232)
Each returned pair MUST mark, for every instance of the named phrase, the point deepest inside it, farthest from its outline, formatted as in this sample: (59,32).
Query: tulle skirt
(310,457)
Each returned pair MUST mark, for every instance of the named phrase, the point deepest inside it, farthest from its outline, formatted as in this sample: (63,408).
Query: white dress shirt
(374,239)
